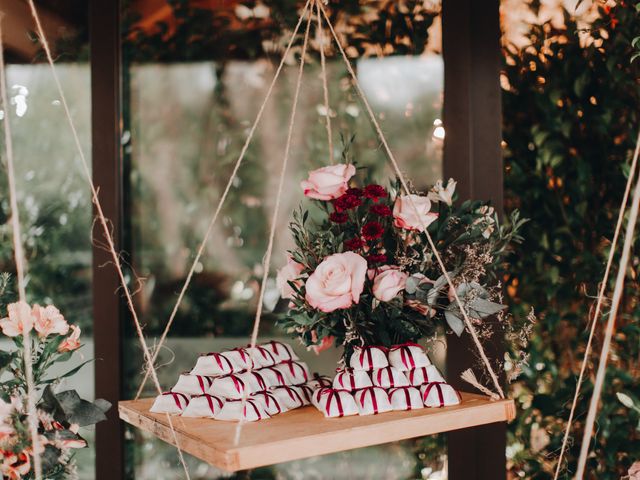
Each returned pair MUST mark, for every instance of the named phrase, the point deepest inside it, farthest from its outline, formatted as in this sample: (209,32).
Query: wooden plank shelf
(305,432)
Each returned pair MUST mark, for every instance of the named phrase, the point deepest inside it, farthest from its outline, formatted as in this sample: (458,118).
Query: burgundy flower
(376,258)
(374,192)
(353,243)
(382,210)
(356,192)
(372,231)
(338,217)
(346,202)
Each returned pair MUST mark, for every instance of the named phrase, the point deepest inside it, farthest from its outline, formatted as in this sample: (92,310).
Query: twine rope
(274,220)
(223,198)
(405,186)
(325,88)
(609,330)
(21,262)
(598,309)
(104,224)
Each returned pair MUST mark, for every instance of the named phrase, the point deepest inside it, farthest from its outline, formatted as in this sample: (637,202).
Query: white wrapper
(229,386)
(350,380)
(372,400)
(307,393)
(319,381)
(439,394)
(193,384)
(204,406)
(389,377)
(315,397)
(405,398)
(232,411)
(368,358)
(273,376)
(280,350)
(408,357)
(289,397)
(212,364)
(170,402)
(420,376)
(296,373)
(239,358)
(262,357)
(255,381)
(336,403)
(268,402)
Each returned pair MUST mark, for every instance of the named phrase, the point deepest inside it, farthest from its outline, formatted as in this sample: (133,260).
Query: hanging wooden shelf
(305,432)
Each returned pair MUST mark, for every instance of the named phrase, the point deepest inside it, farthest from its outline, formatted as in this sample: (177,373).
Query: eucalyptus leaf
(455,322)
(481,308)
(80,411)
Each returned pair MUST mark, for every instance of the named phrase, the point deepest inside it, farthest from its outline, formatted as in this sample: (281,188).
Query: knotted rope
(104,224)
(21,263)
(325,88)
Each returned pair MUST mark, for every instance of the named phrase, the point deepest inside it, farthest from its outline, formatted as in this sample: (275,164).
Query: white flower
(440,193)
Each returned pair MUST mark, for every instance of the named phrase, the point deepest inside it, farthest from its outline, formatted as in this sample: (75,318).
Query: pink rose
(412,212)
(48,320)
(337,282)
(389,282)
(72,342)
(329,182)
(19,319)
(634,471)
(289,273)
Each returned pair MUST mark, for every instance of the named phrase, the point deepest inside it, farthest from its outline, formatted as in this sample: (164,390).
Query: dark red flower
(353,243)
(346,202)
(356,192)
(338,217)
(376,258)
(372,230)
(374,192)
(382,210)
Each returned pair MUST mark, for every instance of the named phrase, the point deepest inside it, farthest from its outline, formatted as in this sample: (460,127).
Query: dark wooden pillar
(104,25)
(472,154)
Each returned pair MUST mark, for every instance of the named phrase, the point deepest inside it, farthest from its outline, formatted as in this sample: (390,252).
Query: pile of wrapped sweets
(381,380)
(271,377)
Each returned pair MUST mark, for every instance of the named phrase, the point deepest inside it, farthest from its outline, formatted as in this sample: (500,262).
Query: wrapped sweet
(239,358)
(170,402)
(372,400)
(262,357)
(319,381)
(269,403)
(280,350)
(405,398)
(232,411)
(193,384)
(203,406)
(336,403)
(368,358)
(307,392)
(289,397)
(422,375)
(389,377)
(296,373)
(273,376)
(212,364)
(439,394)
(350,379)
(229,386)
(254,380)
(408,356)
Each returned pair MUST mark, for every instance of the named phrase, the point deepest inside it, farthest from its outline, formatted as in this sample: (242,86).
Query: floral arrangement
(364,274)
(60,415)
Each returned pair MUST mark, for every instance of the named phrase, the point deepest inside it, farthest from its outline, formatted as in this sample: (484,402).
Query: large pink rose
(289,273)
(48,320)
(337,282)
(19,319)
(327,183)
(389,282)
(412,212)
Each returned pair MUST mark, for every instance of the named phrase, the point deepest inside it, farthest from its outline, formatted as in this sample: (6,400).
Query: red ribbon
(333,394)
(279,376)
(176,398)
(291,364)
(293,394)
(438,387)
(201,379)
(261,383)
(308,392)
(322,380)
(217,357)
(407,397)
(268,398)
(255,409)
(275,345)
(425,375)
(352,380)
(390,372)
(237,383)
(368,350)
(210,402)
(374,400)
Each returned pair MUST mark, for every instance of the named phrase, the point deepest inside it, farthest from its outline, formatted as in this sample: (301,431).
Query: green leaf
(625,399)
(70,373)
(6,358)
(455,322)
(80,411)
(481,308)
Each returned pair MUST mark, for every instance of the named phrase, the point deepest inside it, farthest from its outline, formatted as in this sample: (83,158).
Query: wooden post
(472,154)
(108,311)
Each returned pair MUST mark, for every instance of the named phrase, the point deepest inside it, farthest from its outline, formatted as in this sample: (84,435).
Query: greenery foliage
(571,104)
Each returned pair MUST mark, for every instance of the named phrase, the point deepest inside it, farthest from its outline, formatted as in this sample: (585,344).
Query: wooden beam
(472,154)
(108,309)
